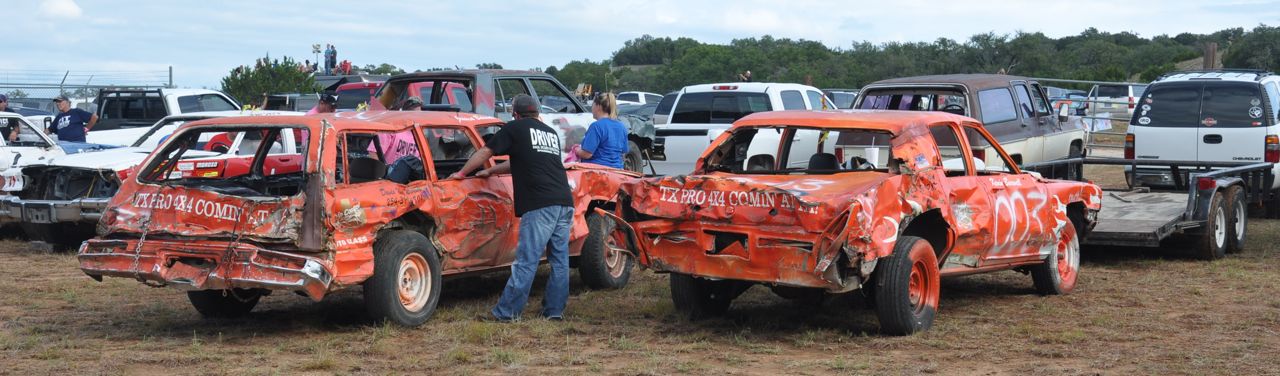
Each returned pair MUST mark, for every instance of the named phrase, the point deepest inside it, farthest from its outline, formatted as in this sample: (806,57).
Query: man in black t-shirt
(543,202)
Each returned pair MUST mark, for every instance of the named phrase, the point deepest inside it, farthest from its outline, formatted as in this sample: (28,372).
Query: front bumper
(207,265)
(14,209)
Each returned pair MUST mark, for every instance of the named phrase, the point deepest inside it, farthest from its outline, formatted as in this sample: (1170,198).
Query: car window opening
(799,150)
(237,161)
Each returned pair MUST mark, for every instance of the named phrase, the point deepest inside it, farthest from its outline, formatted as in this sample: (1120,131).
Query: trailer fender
(1204,197)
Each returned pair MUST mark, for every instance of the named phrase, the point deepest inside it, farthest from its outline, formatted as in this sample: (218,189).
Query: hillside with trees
(663,64)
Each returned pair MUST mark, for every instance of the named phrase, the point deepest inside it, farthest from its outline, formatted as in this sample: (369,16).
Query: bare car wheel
(1057,275)
(405,286)
(604,264)
(700,298)
(907,287)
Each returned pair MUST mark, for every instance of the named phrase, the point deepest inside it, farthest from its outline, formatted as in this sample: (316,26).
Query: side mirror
(1064,110)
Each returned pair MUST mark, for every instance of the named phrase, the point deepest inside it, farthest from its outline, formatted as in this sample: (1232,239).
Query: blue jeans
(544,229)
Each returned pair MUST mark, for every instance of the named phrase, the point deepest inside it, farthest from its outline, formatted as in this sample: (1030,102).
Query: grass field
(1133,312)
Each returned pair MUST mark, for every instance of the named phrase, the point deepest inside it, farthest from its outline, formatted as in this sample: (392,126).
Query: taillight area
(980,154)
(1205,184)
(724,87)
(1128,146)
(1272,153)
(1131,103)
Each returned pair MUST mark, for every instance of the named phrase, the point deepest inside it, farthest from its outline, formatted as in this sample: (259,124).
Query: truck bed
(1136,218)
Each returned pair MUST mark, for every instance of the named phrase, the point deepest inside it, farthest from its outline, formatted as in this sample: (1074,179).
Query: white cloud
(60,8)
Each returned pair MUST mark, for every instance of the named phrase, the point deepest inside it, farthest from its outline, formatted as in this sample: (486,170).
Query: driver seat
(824,161)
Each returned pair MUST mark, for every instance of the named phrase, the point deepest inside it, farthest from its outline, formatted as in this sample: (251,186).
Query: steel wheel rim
(1068,262)
(414,282)
(1219,228)
(919,289)
(1241,216)
(614,259)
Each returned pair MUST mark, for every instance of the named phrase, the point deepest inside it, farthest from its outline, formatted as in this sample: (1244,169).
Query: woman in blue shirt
(606,139)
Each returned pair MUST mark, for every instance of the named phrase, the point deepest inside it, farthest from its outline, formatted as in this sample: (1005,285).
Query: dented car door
(474,215)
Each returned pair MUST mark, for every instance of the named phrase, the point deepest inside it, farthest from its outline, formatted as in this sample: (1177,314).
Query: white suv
(1206,116)
(701,112)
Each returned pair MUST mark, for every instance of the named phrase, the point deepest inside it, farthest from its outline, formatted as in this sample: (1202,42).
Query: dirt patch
(1135,311)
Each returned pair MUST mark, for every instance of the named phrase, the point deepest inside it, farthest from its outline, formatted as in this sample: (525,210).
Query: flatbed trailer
(1210,206)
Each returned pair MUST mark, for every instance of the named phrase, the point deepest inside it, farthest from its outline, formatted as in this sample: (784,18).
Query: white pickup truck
(701,112)
(60,199)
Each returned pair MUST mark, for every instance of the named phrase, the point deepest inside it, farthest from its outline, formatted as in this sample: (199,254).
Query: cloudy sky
(202,40)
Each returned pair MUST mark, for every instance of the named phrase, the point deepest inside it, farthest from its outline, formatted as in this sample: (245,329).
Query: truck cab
(127,108)
(1013,109)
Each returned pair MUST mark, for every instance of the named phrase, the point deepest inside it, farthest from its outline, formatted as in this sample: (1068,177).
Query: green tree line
(663,64)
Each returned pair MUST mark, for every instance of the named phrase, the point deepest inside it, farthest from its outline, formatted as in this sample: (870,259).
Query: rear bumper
(14,209)
(691,248)
(205,265)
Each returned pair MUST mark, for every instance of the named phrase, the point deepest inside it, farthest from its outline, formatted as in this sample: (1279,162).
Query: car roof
(467,73)
(231,113)
(1219,75)
(750,87)
(367,120)
(975,81)
(885,120)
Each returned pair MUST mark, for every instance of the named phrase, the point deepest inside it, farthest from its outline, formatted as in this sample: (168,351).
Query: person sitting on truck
(606,138)
(71,124)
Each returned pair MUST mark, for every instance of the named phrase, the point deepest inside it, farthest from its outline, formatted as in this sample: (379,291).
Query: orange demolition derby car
(831,202)
(363,201)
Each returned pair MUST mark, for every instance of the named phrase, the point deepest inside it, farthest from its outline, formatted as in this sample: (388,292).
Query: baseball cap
(328,98)
(525,105)
(412,101)
(61,98)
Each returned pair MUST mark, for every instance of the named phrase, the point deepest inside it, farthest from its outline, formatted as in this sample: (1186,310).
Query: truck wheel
(906,286)
(1237,218)
(634,159)
(1213,240)
(405,286)
(603,263)
(1057,275)
(225,303)
(701,298)
(1074,170)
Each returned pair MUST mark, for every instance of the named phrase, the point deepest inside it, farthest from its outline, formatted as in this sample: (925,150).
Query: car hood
(117,159)
(810,201)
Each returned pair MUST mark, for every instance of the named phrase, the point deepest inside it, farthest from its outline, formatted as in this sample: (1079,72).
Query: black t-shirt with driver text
(537,173)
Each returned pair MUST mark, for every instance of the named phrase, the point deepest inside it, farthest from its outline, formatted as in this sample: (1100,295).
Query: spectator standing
(543,202)
(71,124)
(606,140)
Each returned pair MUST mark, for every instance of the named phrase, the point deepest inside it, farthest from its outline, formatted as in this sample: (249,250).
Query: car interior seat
(824,161)
(406,169)
(760,162)
(860,163)
(365,169)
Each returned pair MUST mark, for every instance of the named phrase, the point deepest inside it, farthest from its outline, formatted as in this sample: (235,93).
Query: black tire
(1074,170)
(1213,237)
(906,284)
(700,298)
(1271,206)
(225,303)
(634,159)
(1237,218)
(1057,275)
(403,260)
(600,265)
